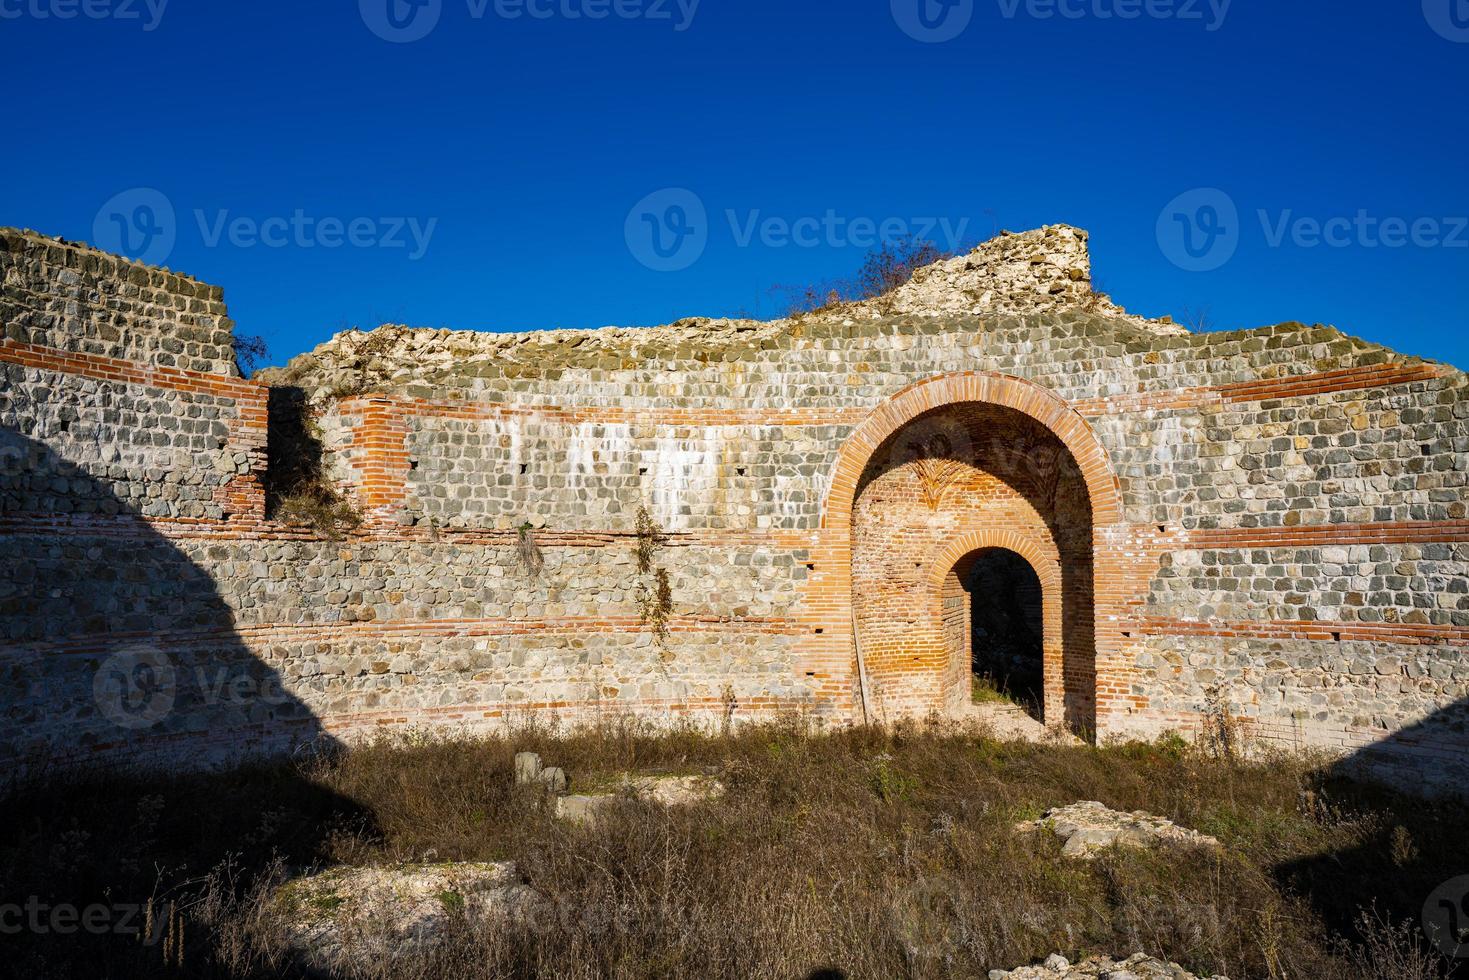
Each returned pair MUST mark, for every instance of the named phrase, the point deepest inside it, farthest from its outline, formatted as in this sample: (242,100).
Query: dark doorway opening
(1007,629)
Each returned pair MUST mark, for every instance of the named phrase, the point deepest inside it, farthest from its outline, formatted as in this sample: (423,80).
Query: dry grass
(875,853)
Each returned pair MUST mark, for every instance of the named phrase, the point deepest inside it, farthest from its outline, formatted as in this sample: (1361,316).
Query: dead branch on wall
(529,551)
(654,589)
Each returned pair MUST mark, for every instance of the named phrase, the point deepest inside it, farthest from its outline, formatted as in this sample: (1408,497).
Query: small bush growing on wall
(650,539)
(251,352)
(297,490)
(325,512)
(1221,735)
(883,270)
(655,591)
(365,374)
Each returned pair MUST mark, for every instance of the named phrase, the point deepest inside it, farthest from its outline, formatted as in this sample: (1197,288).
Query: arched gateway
(944,474)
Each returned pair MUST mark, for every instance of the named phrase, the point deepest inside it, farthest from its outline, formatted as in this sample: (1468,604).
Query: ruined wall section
(1237,457)
(68,297)
(1231,451)
(127,373)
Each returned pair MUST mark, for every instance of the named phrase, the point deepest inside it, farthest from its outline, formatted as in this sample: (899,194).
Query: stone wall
(1271,519)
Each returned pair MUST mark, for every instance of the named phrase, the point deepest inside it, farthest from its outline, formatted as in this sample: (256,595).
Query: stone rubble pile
(1041,271)
(583,808)
(1047,270)
(1136,967)
(348,918)
(1090,827)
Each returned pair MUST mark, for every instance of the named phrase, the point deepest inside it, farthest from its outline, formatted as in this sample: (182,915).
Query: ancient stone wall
(1271,520)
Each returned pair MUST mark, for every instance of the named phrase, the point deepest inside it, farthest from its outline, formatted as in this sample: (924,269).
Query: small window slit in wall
(820,630)
(740,471)
(524,468)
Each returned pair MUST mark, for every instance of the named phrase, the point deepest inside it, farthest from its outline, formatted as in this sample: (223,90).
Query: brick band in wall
(421,629)
(1404,633)
(1164,541)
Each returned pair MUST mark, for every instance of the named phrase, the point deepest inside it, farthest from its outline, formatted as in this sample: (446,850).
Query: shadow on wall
(116,648)
(123,681)
(1429,757)
(1415,861)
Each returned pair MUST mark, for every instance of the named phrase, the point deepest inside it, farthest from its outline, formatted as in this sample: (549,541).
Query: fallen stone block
(1136,967)
(349,918)
(1090,827)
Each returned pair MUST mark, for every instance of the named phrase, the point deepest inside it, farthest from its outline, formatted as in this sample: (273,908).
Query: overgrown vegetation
(984,689)
(883,270)
(365,352)
(1221,736)
(876,853)
(251,352)
(297,489)
(654,589)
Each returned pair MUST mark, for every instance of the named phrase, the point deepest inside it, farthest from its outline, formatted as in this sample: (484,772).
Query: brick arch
(1026,397)
(1046,563)
(833,653)
(1041,555)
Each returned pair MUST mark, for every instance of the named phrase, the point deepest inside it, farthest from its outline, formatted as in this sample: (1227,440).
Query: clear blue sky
(528,141)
